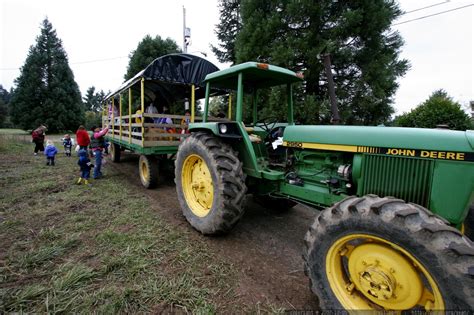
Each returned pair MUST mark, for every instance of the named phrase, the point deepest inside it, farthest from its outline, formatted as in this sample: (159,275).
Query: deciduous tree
(438,109)
(149,49)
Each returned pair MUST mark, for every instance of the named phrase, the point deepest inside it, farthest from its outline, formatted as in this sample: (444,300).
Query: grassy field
(12,132)
(100,248)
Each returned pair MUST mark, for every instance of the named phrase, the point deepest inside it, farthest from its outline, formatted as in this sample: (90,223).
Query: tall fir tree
(295,34)
(4,100)
(148,49)
(227,30)
(93,100)
(46,92)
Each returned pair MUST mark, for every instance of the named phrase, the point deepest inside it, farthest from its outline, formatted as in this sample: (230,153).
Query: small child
(50,152)
(86,165)
(67,144)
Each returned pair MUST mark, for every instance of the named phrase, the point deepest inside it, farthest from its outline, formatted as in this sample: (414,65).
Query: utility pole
(186,33)
(185,47)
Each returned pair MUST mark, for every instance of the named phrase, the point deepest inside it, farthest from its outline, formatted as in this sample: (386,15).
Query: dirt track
(265,248)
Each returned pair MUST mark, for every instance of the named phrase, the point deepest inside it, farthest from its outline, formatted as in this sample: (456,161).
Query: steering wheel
(268,122)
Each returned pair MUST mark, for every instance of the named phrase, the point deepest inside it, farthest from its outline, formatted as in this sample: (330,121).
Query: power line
(98,60)
(80,62)
(434,14)
(423,8)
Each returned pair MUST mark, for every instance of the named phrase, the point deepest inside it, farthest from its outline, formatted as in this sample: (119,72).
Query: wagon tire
(115,152)
(148,170)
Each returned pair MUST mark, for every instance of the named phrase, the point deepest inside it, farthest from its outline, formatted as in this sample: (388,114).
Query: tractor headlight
(223,128)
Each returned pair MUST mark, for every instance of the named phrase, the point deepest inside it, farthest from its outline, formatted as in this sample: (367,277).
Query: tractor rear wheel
(115,152)
(209,183)
(384,254)
(149,171)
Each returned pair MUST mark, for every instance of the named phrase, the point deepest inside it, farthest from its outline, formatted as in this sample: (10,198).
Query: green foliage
(148,50)
(46,92)
(218,104)
(294,34)
(438,109)
(3,113)
(227,30)
(4,100)
(92,119)
(93,100)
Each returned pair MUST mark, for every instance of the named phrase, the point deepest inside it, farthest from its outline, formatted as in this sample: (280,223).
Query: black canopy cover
(169,78)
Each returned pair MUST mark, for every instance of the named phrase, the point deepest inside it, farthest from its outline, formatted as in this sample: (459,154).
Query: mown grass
(98,249)
(6,131)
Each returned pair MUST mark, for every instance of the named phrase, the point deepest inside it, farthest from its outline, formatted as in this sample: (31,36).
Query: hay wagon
(173,81)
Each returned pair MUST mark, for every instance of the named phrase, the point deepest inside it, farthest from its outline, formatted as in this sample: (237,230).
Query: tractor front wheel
(148,170)
(209,183)
(384,254)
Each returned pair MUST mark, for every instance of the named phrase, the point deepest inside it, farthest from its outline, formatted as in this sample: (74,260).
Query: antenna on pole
(186,33)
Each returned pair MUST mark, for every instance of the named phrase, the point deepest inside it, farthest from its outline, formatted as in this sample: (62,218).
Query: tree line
(357,35)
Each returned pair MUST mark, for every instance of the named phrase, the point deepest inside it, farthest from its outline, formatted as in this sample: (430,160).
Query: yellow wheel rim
(144,171)
(197,185)
(368,272)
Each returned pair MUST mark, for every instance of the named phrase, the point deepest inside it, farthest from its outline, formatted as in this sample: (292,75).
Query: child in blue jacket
(50,152)
(85,165)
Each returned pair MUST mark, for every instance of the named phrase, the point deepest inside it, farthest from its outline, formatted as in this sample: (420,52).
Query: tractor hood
(384,137)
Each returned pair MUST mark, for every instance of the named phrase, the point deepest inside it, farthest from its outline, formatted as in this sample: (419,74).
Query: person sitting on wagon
(166,120)
(151,109)
(185,121)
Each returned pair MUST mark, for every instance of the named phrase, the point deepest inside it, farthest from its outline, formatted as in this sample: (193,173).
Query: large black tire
(225,185)
(469,223)
(148,170)
(276,205)
(115,152)
(403,230)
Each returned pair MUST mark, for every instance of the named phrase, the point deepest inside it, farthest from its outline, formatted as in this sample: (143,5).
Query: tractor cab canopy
(255,75)
(168,78)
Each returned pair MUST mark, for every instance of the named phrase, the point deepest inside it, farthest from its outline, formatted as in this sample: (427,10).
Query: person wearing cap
(97,145)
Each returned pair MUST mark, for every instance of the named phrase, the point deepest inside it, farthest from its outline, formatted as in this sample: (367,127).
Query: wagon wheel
(148,170)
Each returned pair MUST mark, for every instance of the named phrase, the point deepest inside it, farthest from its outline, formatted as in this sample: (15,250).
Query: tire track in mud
(264,248)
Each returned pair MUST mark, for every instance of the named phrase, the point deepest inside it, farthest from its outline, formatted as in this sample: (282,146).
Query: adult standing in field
(82,138)
(98,145)
(38,138)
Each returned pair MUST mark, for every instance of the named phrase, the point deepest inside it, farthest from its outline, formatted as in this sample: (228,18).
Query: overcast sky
(99,35)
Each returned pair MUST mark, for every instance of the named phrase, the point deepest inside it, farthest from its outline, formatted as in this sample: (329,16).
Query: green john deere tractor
(394,199)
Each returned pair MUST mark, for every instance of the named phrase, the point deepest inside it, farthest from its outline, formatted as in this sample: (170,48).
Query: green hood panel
(470,137)
(388,137)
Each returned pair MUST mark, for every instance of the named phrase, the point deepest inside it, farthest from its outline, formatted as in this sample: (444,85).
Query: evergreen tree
(46,92)
(148,50)
(227,30)
(294,34)
(4,99)
(438,109)
(93,100)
